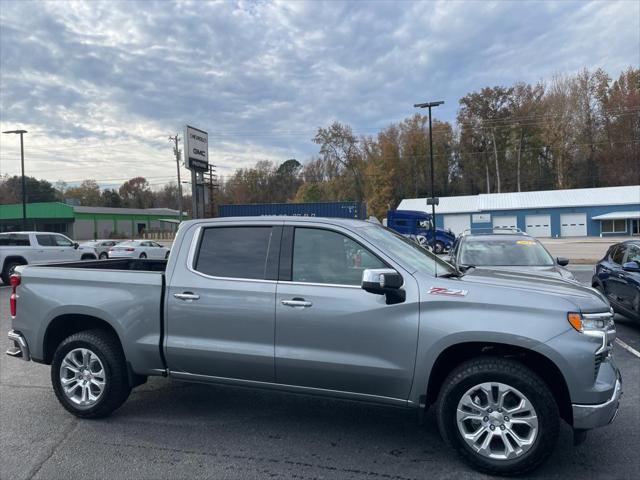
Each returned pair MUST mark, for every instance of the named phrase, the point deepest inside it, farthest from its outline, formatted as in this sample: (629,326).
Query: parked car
(617,276)
(23,248)
(506,249)
(139,249)
(287,303)
(101,246)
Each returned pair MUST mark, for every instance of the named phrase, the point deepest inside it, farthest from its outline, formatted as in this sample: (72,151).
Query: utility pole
(433,200)
(212,183)
(176,152)
(24,182)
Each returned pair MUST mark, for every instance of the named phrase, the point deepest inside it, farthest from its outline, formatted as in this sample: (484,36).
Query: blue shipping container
(321,209)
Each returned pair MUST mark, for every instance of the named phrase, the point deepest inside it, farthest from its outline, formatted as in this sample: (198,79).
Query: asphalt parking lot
(169,429)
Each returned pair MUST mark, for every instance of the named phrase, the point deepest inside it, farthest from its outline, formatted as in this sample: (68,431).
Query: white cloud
(100,86)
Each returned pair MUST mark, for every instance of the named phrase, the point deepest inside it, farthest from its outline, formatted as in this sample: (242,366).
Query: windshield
(501,251)
(407,252)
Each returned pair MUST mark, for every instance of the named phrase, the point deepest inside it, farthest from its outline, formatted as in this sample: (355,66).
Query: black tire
(166,257)
(106,346)
(143,255)
(515,375)
(8,270)
(439,248)
(103,256)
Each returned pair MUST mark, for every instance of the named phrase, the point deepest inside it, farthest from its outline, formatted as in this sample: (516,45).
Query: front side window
(60,241)
(324,256)
(634,254)
(234,252)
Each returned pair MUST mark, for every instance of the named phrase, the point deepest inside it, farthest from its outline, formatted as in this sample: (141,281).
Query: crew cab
(334,307)
(23,248)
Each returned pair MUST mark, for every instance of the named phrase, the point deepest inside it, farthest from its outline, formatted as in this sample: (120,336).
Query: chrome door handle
(188,296)
(297,302)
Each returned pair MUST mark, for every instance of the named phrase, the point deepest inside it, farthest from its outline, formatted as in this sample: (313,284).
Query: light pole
(433,200)
(24,183)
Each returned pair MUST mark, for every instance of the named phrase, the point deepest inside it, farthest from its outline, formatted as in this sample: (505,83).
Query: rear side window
(618,254)
(234,252)
(45,241)
(14,240)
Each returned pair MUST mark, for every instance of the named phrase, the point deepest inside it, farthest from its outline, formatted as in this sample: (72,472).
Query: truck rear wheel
(89,374)
(498,415)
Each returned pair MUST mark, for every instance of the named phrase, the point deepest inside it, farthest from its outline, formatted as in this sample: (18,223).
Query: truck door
(221,304)
(331,334)
(54,248)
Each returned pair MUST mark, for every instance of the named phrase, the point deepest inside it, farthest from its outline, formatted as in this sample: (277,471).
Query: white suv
(22,248)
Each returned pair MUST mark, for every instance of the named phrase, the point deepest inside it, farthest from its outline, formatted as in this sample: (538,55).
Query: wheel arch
(544,367)
(66,325)
(13,258)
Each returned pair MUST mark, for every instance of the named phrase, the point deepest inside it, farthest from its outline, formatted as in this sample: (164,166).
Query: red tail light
(14,281)
(131,249)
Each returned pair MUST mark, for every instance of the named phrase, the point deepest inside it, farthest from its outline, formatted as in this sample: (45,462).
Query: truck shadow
(307,429)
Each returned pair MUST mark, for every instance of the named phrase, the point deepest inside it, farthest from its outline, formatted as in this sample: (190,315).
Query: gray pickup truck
(341,308)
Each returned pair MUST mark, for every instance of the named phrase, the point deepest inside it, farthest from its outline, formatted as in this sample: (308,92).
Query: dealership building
(608,211)
(84,223)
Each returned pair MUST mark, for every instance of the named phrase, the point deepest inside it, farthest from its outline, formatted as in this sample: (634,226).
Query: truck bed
(126,293)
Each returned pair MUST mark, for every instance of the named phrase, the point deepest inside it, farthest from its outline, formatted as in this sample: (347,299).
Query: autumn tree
(136,193)
(86,194)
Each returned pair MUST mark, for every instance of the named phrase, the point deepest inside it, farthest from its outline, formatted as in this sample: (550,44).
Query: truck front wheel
(89,374)
(500,416)
(439,248)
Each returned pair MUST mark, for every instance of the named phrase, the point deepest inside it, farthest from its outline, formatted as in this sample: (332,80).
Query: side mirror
(631,267)
(76,245)
(562,261)
(384,281)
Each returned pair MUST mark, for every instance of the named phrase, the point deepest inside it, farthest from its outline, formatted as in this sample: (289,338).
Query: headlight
(599,325)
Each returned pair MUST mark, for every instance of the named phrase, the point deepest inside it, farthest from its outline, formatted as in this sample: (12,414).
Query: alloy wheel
(497,421)
(82,377)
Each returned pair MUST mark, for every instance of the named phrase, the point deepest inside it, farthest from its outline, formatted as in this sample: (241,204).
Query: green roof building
(84,223)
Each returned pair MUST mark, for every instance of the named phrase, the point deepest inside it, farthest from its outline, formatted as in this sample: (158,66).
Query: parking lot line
(628,348)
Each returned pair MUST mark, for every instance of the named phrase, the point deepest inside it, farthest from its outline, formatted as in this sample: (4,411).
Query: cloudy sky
(100,86)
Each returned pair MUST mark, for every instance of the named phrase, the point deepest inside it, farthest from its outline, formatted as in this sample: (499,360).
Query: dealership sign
(196,148)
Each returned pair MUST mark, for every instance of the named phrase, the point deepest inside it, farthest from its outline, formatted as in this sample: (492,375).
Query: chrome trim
(187,296)
(21,343)
(286,282)
(592,416)
(297,303)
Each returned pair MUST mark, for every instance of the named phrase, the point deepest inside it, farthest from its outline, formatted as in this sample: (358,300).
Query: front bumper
(20,348)
(586,417)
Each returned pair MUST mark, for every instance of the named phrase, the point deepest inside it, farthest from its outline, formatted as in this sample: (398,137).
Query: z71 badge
(447,291)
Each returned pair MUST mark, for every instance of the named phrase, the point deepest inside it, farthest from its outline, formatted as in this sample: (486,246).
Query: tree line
(573,131)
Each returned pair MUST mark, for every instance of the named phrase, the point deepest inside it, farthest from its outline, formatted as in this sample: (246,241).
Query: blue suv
(617,275)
